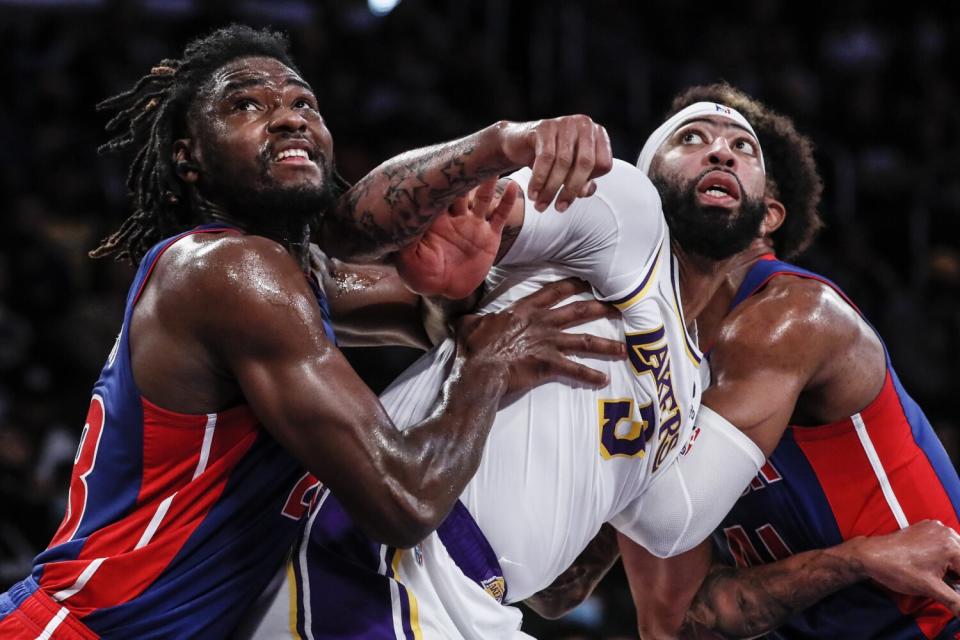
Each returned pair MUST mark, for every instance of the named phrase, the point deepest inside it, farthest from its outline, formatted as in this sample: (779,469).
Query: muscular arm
(793,339)
(397,201)
(746,602)
(397,485)
(370,306)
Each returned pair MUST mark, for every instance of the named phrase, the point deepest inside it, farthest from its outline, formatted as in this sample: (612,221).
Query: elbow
(557,607)
(403,522)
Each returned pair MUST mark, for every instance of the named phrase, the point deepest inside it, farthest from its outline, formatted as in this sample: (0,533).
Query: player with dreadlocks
(225,402)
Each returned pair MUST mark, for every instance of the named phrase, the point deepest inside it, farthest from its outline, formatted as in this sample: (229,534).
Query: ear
(774,217)
(184,162)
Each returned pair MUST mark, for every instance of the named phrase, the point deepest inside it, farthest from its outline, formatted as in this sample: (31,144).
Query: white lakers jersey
(561,460)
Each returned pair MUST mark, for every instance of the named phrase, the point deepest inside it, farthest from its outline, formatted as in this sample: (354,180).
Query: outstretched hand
(915,561)
(453,256)
(529,338)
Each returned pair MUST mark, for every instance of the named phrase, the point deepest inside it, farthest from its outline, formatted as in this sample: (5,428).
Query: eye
(305,102)
(745,146)
(691,137)
(245,104)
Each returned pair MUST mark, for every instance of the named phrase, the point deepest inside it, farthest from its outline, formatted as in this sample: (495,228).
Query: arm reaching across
(745,602)
(398,200)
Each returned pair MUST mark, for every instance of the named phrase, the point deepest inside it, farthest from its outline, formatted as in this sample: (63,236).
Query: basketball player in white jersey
(559,461)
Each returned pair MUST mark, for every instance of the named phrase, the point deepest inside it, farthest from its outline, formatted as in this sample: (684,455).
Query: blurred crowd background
(874,84)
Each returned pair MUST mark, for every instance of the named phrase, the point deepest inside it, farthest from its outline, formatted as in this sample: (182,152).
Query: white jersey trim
(879,471)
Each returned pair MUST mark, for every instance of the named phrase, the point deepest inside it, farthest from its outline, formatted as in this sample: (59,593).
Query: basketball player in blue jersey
(837,537)
(225,402)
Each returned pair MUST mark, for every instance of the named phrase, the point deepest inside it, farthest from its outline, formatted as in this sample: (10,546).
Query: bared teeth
(716,191)
(291,153)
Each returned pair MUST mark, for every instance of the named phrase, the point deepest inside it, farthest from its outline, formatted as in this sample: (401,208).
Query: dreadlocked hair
(792,176)
(148,119)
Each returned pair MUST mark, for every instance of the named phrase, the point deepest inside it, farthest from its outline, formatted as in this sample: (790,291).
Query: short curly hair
(792,175)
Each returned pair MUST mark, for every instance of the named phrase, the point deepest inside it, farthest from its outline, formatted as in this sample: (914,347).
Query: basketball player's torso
(562,460)
(169,511)
(855,474)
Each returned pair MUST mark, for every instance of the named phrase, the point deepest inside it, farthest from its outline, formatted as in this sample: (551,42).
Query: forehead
(716,124)
(252,71)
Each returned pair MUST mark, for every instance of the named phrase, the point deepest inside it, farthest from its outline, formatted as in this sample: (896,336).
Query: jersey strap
(768,267)
(471,551)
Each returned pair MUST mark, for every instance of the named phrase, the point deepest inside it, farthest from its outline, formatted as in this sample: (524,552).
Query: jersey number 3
(82,467)
(620,434)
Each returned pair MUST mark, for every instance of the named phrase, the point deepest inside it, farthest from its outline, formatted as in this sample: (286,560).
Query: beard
(289,212)
(711,232)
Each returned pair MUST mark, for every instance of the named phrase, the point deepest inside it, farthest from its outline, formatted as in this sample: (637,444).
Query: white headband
(696,110)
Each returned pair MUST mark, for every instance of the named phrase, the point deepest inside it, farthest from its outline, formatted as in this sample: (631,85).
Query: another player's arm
(746,602)
(398,200)
(397,485)
(370,306)
(773,347)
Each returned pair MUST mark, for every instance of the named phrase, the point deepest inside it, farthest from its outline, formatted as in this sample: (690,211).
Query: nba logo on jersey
(496,587)
(693,438)
(418,554)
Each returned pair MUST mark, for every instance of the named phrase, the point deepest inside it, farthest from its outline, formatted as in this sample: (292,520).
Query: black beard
(278,211)
(287,214)
(712,232)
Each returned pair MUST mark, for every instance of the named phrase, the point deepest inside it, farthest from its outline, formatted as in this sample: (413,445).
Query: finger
(953,561)
(938,590)
(552,293)
(566,148)
(603,152)
(580,312)
(565,368)
(588,189)
(460,206)
(483,198)
(499,216)
(545,150)
(587,344)
(581,167)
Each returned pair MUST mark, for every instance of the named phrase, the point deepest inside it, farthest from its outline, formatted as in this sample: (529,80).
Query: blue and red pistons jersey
(870,474)
(175,522)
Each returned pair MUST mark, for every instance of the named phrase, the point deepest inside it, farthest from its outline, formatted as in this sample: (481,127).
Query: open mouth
(719,188)
(299,152)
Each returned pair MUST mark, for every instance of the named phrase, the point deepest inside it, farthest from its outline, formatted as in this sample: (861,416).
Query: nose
(720,153)
(286,119)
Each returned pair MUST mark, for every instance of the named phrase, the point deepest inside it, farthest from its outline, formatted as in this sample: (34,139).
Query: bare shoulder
(793,324)
(228,265)
(232,280)
(788,311)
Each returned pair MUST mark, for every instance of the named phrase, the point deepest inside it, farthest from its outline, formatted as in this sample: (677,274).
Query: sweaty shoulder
(230,280)
(789,308)
(804,350)
(804,330)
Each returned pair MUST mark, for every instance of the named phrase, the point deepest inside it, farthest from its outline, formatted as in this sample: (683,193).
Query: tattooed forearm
(397,201)
(509,236)
(745,602)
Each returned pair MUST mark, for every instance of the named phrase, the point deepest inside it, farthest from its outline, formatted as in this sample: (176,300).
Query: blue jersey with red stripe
(872,473)
(175,522)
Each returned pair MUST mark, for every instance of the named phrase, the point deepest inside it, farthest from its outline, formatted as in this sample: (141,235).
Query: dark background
(875,87)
